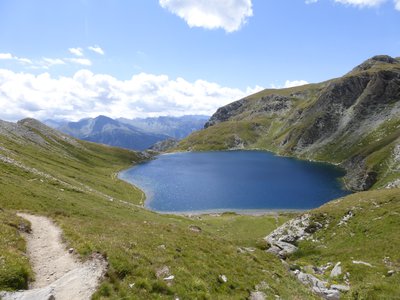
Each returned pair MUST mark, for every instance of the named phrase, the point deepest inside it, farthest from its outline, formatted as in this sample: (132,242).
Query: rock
(70,250)
(286,249)
(346,218)
(195,228)
(169,278)
(222,278)
(257,296)
(360,262)
(340,287)
(391,272)
(317,285)
(336,271)
(282,239)
(163,272)
(274,250)
(131,285)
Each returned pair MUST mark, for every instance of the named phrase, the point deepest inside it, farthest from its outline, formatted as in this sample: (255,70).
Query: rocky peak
(374,61)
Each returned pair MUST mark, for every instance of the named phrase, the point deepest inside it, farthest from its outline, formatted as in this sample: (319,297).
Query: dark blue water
(234,180)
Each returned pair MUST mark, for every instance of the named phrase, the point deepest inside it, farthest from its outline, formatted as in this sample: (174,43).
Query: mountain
(136,134)
(107,131)
(352,121)
(75,183)
(175,127)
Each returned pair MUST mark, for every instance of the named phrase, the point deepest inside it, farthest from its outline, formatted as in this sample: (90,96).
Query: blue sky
(80,58)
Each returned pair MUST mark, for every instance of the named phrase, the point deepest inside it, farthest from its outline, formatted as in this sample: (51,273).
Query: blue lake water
(234,180)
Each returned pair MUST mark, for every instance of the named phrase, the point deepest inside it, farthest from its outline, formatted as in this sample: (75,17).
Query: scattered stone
(359,262)
(340,287)
(391,272)
(317,285)
(169,278)
(163,272)
(257,296)
(131,285)
(222,278)
(162,247)
(336,271)
(346,218)
(70,250)
(195,228)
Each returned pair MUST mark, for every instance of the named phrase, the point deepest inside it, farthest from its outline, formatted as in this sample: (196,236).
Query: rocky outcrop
(282,242)
(165,145)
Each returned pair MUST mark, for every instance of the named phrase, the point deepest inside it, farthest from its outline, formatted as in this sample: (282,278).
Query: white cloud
(80,61)
(52,61)
(76,51)
(9,56)
(289,84)
(6,56)
(211,14)
(294,83)
(362,3)
(86,94)
(96,49)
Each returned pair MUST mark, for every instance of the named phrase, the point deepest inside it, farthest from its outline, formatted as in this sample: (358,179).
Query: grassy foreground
(75,184)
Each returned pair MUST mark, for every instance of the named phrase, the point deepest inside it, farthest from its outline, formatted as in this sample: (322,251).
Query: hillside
(352,121)
(74,183)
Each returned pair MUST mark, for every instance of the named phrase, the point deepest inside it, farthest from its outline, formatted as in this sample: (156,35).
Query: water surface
(234,180)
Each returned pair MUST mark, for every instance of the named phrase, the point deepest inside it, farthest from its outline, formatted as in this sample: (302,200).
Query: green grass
(14,265)
(98,212)
(370,236)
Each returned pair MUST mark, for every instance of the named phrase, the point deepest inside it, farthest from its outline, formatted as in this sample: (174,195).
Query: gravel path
(58,274)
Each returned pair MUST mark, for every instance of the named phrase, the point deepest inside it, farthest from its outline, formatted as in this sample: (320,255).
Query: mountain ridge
(352,121)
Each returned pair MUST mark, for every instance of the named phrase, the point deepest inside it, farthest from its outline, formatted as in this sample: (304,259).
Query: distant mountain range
(136,134)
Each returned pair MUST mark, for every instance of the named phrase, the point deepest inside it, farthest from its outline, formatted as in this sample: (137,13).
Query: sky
(121,58)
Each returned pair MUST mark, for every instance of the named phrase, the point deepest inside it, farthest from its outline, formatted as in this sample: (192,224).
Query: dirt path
(58,274)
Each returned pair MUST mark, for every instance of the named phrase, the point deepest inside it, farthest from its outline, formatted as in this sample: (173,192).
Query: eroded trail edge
(58,273)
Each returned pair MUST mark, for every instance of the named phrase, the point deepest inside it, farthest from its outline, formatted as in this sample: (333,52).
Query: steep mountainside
(107,131)
(353,121)
(150,256)
(175,127)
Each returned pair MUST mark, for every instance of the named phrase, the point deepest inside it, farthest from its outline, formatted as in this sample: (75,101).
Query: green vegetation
(77,188)
(370,236)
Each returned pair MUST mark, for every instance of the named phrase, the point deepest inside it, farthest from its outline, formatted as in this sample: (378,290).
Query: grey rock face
(336,271)
(257,296)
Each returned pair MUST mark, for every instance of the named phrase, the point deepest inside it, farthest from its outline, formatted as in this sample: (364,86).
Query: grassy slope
(371,236)
(77,197)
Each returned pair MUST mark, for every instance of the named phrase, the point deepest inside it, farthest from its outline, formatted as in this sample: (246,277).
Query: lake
(234,181)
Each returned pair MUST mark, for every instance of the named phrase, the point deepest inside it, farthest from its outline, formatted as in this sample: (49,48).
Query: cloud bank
(88,95)
(229,15)
(361,3)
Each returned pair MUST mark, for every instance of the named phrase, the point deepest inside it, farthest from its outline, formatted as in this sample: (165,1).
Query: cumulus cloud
(6,56)
(397,4)
(211,14)
(294,83)
(289,84)
(9,56)
(86,94)
(96,49)
(76,51)
(80,61)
